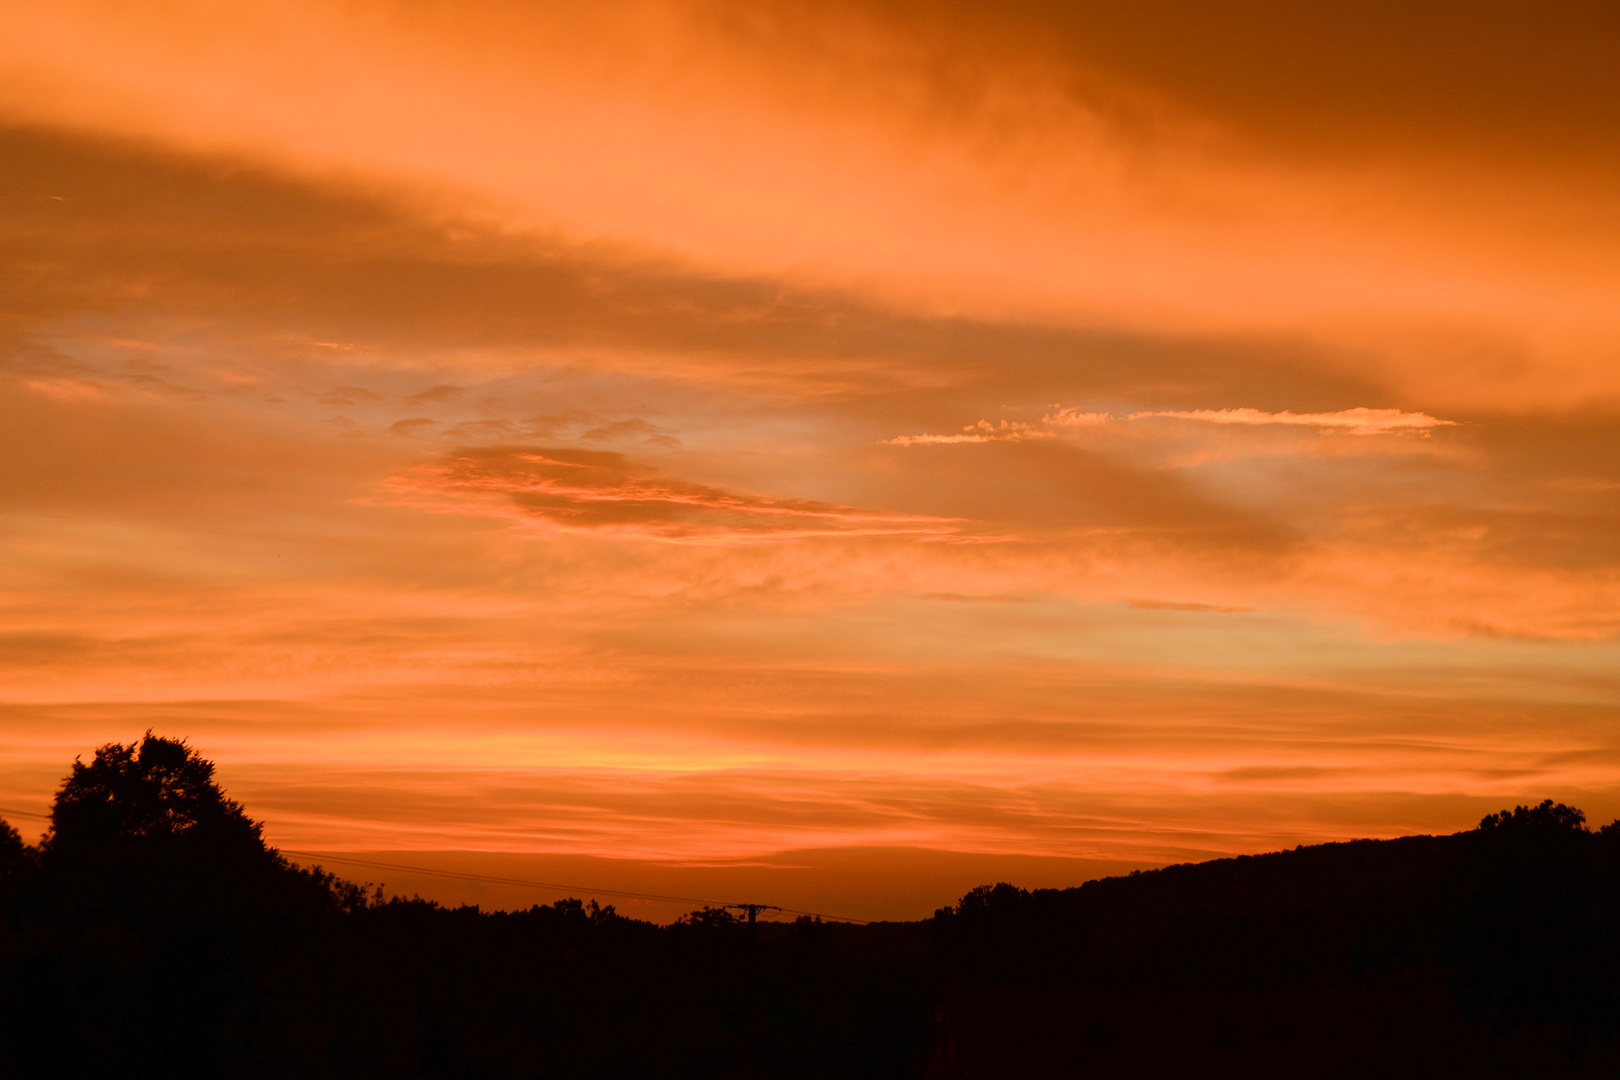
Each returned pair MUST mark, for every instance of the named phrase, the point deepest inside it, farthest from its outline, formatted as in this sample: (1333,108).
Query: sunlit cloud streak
(983,431)
(1357,421)
(604,493)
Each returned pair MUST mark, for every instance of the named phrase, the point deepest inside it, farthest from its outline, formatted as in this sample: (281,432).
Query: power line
(494,880)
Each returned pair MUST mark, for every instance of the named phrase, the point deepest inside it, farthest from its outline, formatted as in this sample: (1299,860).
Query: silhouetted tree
(14,853)
(157,788)
(1548,816)
(155,910)
(712,918)
(990,899)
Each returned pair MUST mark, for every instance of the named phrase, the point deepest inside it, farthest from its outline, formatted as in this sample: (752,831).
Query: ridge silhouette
(152,932)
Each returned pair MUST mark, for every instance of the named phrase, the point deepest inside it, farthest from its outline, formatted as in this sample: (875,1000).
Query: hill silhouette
(1491,952)
(153,932)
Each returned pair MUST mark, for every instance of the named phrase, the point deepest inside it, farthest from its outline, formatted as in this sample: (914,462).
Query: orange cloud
(604,493)
(1358,421)
(983,431)
(1074,168)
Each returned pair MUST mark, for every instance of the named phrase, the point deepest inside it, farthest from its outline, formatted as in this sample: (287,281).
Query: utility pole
(751,1026)
(752,909)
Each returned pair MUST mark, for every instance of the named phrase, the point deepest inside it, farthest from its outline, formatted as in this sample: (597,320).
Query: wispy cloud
(608,494)
(1076,418)
(981,432)
(67,389)
(347,395)
(441,393)
(1170,605)
(411,425)
(1357,421)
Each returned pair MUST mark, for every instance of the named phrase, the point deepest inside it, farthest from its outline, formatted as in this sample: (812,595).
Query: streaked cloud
(436,394)
(1357,421)
(983,431)
(605,493)
(411,425)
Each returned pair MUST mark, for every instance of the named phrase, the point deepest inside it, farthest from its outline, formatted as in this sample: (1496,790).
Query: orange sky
(902,442)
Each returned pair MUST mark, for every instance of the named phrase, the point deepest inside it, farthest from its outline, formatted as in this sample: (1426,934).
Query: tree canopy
(13,852)
(1548,816)
(155,788)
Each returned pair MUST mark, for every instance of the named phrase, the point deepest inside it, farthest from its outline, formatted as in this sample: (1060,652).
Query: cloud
(439,393)
(67,389)
(981,432)
(411,425)
(609,494)
(347,395)
(1167,605)
(633,428)
(1303,82)
(1358,421)
(493,430)
(270,259)
(1083,168)
(1076,418)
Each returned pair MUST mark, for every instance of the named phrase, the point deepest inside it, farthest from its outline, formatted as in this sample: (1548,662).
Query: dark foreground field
(152,933)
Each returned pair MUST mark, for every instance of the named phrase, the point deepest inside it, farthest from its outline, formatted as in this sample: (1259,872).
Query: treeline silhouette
(152,932)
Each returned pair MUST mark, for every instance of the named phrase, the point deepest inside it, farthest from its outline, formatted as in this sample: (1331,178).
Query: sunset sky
(842,452)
